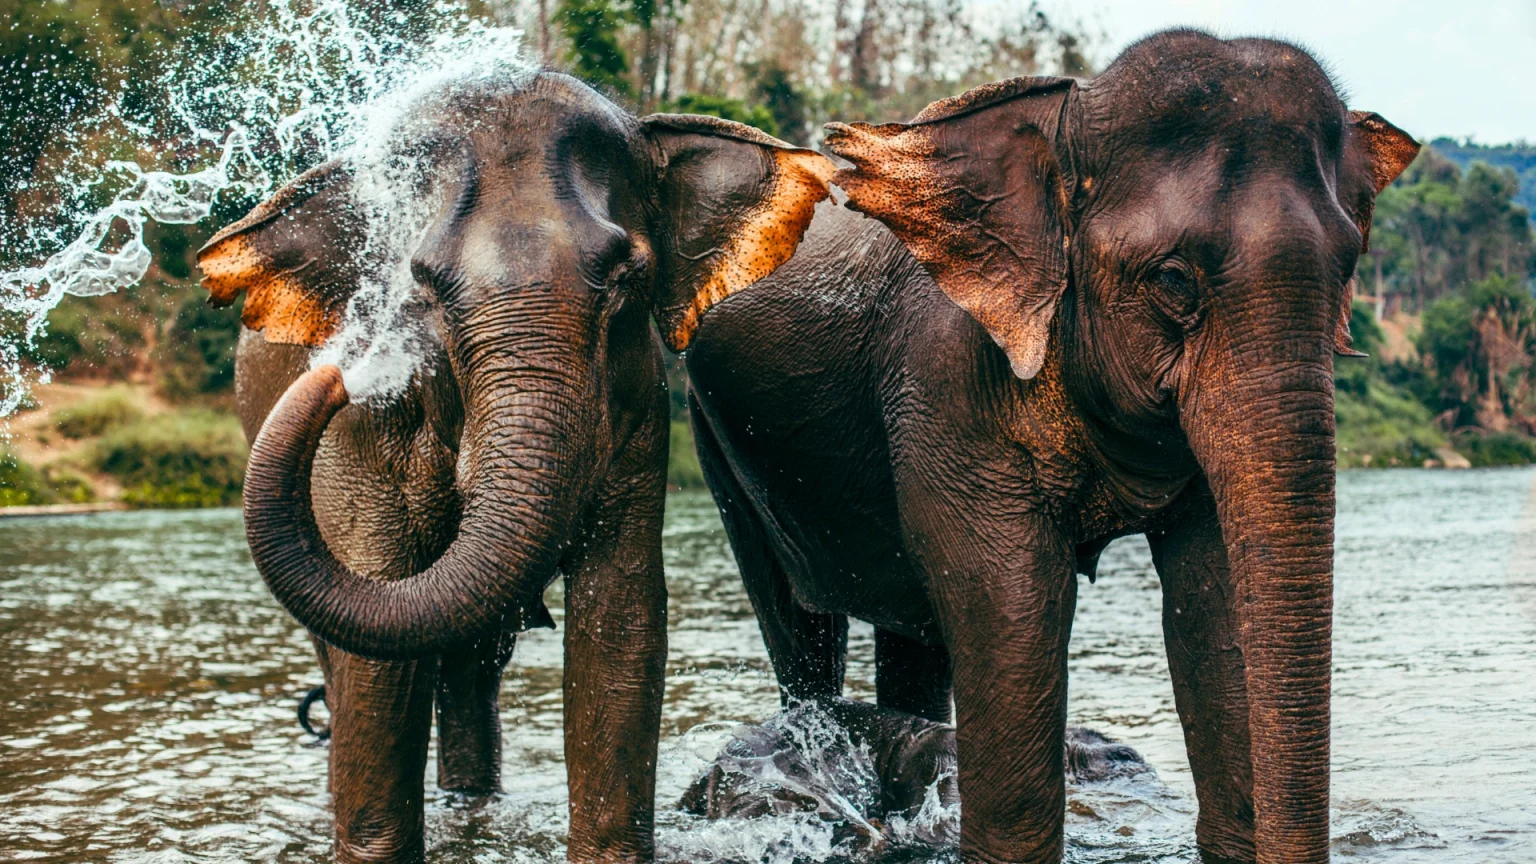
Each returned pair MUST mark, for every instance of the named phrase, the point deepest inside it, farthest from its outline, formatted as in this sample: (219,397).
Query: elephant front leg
(381,720)
(615,660)
(1209,680)
(469,715)
(1005,594)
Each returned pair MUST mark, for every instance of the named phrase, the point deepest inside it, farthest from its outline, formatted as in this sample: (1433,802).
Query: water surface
(147,686)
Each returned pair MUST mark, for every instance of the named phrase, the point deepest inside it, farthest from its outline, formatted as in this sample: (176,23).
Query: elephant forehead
(494,252)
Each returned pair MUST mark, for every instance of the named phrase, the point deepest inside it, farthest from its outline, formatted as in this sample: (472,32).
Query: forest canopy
(1445,295)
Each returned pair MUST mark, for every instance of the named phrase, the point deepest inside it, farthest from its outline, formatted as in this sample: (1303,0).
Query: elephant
(860,766)
(414,536)
(1071,311)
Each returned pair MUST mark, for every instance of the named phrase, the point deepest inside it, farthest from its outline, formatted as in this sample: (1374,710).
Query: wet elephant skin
(415,535)
(1081,310)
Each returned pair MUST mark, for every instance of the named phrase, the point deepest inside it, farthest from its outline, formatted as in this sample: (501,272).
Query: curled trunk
(505,553)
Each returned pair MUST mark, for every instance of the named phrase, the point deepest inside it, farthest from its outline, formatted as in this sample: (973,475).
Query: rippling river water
(147,688)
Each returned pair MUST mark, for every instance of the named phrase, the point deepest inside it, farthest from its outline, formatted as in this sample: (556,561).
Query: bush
(1496,448)
(725,108)
(68,485)
(20,483)
(1379,423)
(113,407)
(192,458)
(683,469)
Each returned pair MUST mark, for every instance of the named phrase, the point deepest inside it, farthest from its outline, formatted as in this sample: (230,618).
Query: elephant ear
(1386,152)
(973,187)
(295,256)
(734,203)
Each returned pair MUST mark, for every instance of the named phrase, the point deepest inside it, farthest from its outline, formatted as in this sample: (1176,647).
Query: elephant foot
(885,778)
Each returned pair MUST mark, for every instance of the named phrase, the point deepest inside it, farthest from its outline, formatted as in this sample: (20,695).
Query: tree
(592,28)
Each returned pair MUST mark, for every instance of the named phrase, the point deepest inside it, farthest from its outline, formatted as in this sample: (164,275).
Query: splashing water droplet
(301,86)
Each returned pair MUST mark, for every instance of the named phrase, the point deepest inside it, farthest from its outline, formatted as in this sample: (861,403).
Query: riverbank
(120,443)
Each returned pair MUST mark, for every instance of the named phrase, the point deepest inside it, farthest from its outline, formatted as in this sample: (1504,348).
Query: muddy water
(147,686)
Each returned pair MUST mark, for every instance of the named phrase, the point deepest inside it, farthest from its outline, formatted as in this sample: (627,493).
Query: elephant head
(1172,242)
(558,229)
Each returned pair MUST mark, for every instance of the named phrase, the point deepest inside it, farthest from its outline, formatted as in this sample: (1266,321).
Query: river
(147,688)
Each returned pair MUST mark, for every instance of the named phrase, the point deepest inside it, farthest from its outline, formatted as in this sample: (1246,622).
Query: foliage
(727,108)
(68,484)
(1379,423)
(112,407)
(1519,158)
(189,458)
(1436,229)
(21,484)
(1481,345)
(196,354)
(1381,420)
(1506,448)
(592,28)
(683,470)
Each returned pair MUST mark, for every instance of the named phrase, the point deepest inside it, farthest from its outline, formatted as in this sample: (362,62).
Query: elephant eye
(1173,277)
(1173,290)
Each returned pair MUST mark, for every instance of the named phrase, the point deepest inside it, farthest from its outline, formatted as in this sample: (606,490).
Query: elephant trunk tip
(314,398)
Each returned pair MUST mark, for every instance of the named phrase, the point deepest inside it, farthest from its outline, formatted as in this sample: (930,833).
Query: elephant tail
(310,698)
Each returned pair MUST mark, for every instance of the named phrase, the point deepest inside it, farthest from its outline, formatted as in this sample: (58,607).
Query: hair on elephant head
(1171,244)
(556,229)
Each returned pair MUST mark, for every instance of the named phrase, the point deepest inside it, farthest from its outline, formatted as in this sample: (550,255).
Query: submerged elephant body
(1087,309)
(415,535)
(883,777)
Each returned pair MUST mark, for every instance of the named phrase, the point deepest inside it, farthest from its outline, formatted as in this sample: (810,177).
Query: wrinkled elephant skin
(414,536)
(1081,309)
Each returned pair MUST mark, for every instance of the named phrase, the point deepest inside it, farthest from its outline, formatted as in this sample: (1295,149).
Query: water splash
(299,84)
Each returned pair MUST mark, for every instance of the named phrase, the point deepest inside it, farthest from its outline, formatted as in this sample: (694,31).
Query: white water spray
(311,84)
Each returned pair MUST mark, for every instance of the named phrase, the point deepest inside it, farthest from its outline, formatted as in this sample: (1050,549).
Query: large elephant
(1118,315)
(414,536)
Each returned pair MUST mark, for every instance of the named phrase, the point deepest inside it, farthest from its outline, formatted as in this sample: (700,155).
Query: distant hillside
(1520,158)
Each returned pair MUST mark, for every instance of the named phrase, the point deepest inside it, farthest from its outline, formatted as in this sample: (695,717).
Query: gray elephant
(415,536)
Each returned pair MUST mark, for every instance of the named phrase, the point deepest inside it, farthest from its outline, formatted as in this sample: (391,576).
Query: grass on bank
(188,458)
(683,469)
(113,407)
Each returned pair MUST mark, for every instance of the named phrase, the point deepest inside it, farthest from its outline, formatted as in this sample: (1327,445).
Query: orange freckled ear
(290,257)
(276,303)
(1389,150)
(764,239)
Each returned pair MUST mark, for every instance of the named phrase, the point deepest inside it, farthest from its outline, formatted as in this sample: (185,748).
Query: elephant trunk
(521,496)
(1265,440)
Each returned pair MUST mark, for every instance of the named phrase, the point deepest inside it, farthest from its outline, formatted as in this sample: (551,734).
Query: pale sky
(1433,67)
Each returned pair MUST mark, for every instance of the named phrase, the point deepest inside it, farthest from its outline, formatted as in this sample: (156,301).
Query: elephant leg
(381,721)
(912,677)
(615,662)
(1210,686)
(1005,592)
(809,650)
(469,717)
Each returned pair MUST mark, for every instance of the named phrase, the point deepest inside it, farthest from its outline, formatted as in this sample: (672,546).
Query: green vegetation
(727,108)
(189,458)
(112,407)
(1380,422)
(1499,448)
(21,484)
(683,469)
(1519,158)
(1459,247)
